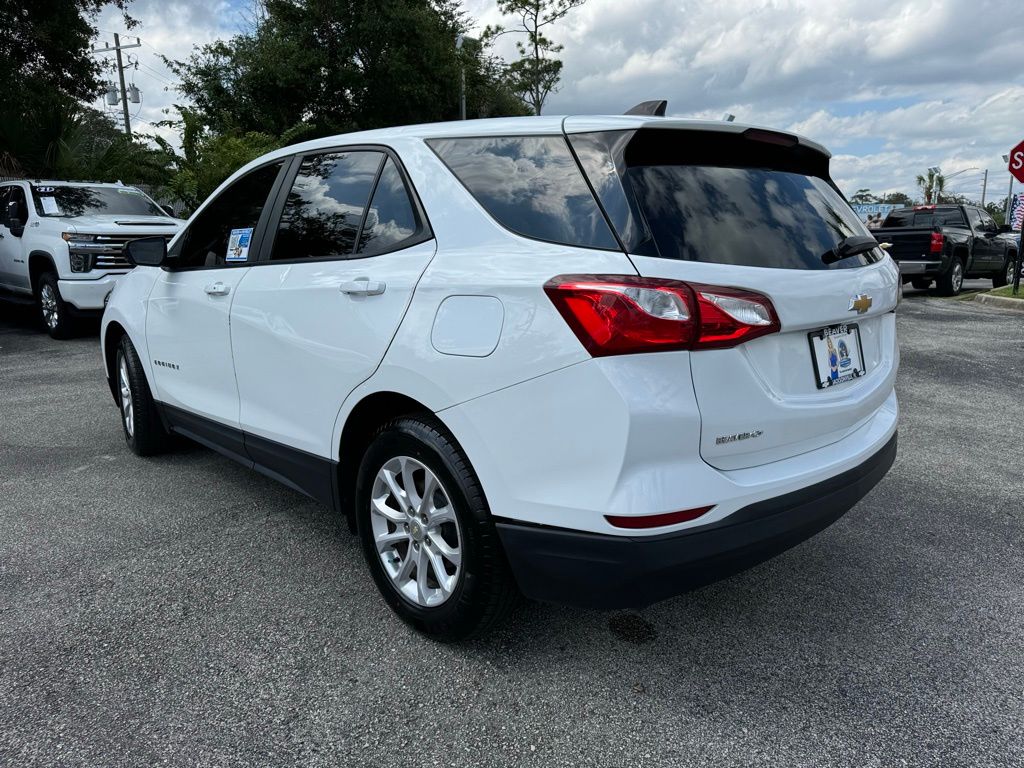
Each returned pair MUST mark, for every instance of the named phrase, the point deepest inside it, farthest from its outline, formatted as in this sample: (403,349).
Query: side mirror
(1004,228)
(168,210)
(14,223)
(146,252)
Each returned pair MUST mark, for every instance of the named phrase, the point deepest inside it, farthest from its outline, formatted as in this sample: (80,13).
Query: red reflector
(938,241)
(657,521)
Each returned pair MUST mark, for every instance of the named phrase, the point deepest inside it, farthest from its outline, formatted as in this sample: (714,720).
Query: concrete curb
(1002,302)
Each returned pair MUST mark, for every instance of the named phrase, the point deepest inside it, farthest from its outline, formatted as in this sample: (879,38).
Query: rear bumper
(615,572)
(920,268)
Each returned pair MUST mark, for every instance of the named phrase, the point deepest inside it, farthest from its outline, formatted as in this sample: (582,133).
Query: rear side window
(221,235)
(391,218)
(762,200)
(530,185)
(911,217)
(325,206)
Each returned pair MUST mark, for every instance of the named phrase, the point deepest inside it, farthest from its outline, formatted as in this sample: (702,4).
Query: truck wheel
(53,311)
(1004,276)
(921,283)
(952,280)
(427,532)
(143,431)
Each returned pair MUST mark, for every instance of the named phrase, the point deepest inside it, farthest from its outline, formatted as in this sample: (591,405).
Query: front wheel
(952,280)
(53,311)
(427,532)
(143,430)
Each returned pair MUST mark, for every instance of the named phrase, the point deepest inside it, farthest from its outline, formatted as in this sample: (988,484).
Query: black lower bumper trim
(617,572)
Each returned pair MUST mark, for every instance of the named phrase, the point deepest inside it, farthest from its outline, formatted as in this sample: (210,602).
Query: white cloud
(890,87)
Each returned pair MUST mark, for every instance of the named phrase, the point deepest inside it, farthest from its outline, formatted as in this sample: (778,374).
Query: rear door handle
(218,289)
(363,286)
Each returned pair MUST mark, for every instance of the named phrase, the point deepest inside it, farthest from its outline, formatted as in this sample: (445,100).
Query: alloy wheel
(127,409)
(1009,271)
(416,531)
(958,276)
(48,302)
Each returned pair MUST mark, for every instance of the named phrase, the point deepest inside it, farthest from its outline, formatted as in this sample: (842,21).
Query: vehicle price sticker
(836,354)
(238,245)
(50,207)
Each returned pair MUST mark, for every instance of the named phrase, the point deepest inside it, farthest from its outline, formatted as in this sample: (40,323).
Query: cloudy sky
(889,86)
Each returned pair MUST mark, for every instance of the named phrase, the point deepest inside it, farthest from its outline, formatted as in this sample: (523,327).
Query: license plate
(836,354)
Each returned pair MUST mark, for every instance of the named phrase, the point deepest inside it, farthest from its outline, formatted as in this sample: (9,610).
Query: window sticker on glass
(50,207)
(238,244)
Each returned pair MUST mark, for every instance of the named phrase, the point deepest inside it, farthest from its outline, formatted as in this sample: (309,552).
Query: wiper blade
(849,246)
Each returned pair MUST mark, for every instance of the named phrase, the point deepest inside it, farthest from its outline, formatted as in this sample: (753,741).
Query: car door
(984,244)
(314,318)
(997,250)
(13,269)
(187,323)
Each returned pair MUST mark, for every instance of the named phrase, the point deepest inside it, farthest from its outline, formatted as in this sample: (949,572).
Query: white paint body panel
(301,345)
(189,328)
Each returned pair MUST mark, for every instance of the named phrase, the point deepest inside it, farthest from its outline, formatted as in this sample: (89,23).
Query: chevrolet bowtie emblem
(860,303)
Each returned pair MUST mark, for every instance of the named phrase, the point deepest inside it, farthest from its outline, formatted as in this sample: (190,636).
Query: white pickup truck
(61,243)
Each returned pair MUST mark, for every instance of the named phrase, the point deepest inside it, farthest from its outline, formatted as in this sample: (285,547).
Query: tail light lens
(938,241)
(657,521)
(624,314)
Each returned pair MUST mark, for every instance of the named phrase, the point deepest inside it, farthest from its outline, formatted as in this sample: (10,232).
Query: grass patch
(1007,291)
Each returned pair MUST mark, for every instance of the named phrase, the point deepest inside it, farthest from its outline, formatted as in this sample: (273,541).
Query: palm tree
(933,183)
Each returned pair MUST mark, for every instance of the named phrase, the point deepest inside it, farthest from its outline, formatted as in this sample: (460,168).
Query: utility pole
(120,74)
(1009,195)
(984,188)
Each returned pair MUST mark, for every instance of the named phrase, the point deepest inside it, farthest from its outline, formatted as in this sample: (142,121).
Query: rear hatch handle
(849,246)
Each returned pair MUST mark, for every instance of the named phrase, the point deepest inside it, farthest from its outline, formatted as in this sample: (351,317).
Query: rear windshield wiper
(849,246)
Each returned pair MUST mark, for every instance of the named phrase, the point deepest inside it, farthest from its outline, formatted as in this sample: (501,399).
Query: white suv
(61,243)
(595,360)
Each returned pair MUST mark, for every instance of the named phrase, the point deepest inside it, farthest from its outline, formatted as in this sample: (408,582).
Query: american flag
(1017,212)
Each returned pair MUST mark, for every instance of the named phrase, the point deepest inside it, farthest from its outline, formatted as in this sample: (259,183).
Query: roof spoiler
(654,108)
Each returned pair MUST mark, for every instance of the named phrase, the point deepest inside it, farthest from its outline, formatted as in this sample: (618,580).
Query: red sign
(1017,162)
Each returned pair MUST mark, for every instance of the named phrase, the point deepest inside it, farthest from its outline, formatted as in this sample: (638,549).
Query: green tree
(46,69)
(896,198)
(863,197)
(340,65)
(536,73)
(997,210)
(931,185)
(59,139)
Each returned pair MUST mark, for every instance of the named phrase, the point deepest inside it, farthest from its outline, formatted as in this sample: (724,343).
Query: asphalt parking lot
(183,610)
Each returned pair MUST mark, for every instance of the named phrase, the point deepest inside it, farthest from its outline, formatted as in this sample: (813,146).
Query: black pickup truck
(945,244)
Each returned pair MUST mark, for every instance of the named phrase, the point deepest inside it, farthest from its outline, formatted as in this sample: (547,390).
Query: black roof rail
(654,108)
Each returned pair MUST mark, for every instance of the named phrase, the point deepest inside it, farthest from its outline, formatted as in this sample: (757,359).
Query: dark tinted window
(529,184)
(988,223)
(91,201)
(221,235)
(910,217)
(325,206)
(391,217)
(16,194)
(745,216)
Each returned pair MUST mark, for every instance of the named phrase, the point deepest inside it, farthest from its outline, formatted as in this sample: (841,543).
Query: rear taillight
(938,241)
(657,521)
(623,314)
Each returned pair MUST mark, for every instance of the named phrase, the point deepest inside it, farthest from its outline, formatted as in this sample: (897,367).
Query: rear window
(93,201)
(530,185)
(723,199)
(908,217)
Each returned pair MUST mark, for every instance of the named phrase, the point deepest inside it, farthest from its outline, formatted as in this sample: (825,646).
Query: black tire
(1004,276)
(484,589)
(921,283)
(147,435)
(952,280)
(53,311)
